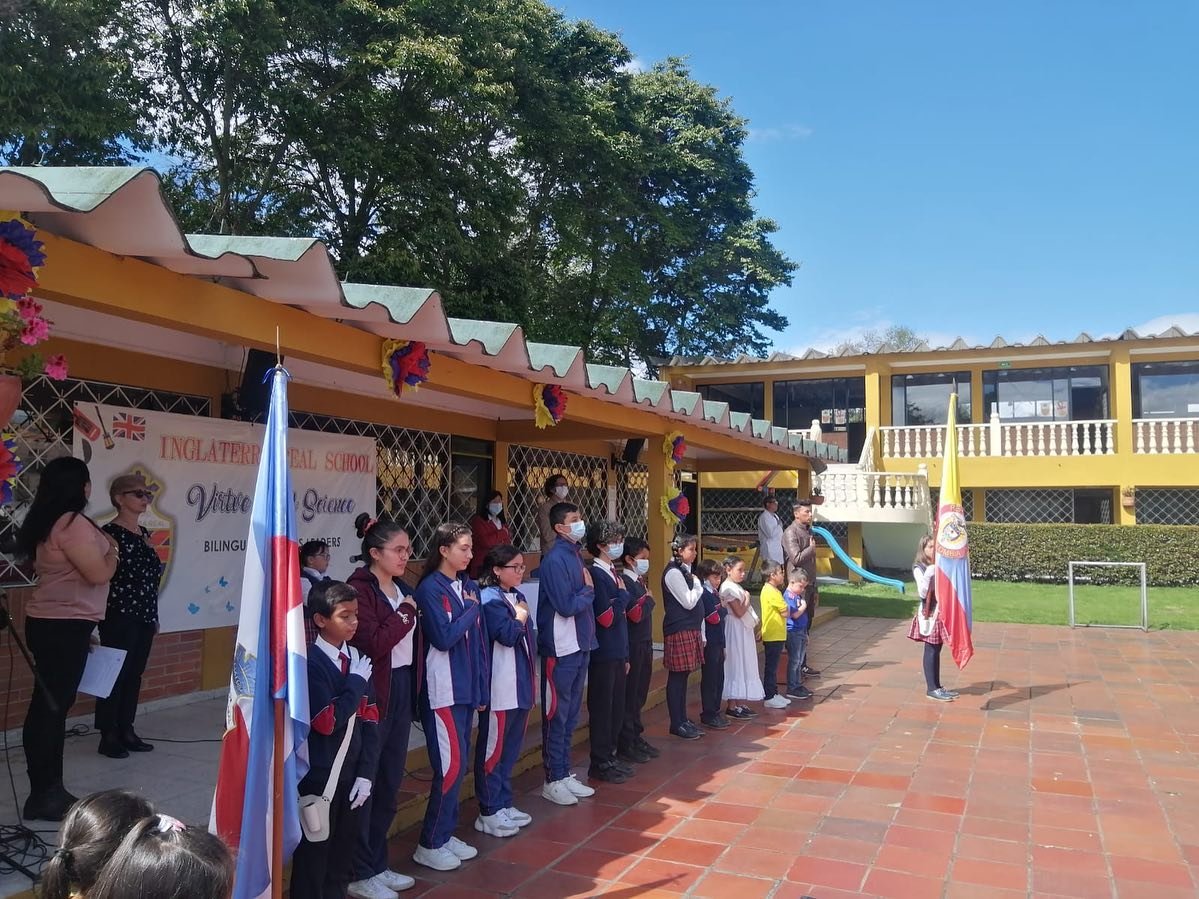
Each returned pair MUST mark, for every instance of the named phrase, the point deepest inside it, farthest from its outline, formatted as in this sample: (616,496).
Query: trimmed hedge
(1040,552)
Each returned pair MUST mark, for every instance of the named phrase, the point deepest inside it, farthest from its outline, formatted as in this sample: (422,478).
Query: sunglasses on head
(140,494)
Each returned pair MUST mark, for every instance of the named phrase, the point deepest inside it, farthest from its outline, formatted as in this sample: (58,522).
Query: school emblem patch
(951,532)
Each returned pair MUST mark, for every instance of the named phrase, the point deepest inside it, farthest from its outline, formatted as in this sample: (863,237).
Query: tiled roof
(122,211)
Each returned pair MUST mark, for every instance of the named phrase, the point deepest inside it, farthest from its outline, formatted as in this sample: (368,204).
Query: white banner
(201,472)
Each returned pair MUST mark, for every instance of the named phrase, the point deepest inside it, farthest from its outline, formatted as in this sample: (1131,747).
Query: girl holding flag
(927,627)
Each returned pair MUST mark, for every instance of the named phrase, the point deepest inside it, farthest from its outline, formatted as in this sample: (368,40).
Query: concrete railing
(1165,436)
(851,495)
(999,438)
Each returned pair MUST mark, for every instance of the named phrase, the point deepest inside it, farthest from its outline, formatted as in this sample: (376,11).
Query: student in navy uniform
(502,727)
(314,562)
(711,676)
(453,688)
(609,663)
(631,745)
(386,635)
(338,688)
(682,619)
(565,639)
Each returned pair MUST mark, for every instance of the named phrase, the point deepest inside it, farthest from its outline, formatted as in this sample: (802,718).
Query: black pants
(770,676)
(59,647)
(324,870)
(116,713)
(711,680)
(370,853)
(605,706)
(676,697)
(636,690)
(932,666)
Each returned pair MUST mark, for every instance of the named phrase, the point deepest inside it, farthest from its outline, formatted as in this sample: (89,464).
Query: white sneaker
(438,859)
(371,888)
(577,787)
(777,701)
(559,793)
(395,881)
(463,850)
(517,817)
(496,825)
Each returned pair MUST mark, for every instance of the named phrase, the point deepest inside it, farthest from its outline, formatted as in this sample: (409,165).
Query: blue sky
(1007,168)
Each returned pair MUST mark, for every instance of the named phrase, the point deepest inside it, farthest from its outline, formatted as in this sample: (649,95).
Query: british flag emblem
(129,427)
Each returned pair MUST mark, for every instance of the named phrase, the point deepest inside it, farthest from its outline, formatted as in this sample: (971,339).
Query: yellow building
(1085,431)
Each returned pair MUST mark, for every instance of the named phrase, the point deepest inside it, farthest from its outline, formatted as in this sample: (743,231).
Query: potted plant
(22,323)
(816,498)
(1128,497)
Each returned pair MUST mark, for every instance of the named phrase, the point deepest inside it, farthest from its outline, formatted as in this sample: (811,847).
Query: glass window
(749,397)
(1165,390)
(839,404)
(924,399)
(1069,393)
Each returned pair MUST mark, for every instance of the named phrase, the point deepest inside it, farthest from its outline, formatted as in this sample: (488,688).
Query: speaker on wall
(632,450)
(255,392)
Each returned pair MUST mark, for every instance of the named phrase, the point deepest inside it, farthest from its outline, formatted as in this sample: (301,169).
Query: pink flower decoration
(29,308)
(56,367)
(36,330)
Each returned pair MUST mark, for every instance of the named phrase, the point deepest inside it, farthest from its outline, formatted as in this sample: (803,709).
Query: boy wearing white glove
(339,688)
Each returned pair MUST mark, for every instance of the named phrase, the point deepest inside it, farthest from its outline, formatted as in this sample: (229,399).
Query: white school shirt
(401,653)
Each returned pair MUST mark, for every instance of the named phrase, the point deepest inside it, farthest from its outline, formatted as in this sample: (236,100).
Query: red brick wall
(174,667)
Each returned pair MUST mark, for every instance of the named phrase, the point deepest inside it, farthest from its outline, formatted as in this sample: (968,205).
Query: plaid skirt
(683,651)
(939,633)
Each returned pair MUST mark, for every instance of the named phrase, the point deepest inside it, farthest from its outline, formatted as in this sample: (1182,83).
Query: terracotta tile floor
(1068,767)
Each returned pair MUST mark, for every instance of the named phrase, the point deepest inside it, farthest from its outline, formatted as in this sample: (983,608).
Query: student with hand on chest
(609,664)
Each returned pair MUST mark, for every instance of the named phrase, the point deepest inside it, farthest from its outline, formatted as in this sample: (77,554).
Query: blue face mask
(615,551)
(642,567)
(578,530)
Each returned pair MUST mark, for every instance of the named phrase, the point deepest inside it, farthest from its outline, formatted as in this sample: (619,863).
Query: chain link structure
(1167,505)
(632,499)
(529,467)
(1030,506)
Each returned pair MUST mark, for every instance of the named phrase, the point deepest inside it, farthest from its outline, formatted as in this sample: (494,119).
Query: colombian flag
(952,563)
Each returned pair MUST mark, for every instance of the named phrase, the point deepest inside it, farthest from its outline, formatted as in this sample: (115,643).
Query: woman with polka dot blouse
(131,619)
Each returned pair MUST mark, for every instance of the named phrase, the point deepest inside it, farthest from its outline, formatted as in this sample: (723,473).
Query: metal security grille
(934,494)
(529,467)
(734,511)
(632,499)
(1030,506)
(413,472)
(42,431)
(1167,505)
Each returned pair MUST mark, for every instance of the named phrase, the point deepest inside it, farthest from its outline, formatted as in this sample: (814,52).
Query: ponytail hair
(160,858)
(374,533)
(447,534)
(91,832)
(681,542)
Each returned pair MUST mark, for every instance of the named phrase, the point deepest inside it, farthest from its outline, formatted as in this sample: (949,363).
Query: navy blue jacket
(565,617)
(640,611)
(714,615)
(454,654)
(332,698)
(511,662)
(612,628)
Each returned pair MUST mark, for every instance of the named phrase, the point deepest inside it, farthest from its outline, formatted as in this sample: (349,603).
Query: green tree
(891,339)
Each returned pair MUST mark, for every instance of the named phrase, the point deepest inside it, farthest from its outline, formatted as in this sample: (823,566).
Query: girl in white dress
(742,683)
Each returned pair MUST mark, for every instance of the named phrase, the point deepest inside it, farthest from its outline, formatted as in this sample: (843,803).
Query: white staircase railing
(855,495)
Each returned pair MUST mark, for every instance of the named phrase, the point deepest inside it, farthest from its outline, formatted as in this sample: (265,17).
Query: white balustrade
(1038,439)
(845,490)
(1166,436)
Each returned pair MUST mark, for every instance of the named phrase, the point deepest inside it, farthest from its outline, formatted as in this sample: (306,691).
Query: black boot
(112,746)
(48,805)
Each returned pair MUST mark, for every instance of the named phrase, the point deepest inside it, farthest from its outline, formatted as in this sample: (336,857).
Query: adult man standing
(799,550)
(770,531)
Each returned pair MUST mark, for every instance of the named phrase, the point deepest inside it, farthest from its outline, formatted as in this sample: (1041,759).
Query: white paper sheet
(100,673)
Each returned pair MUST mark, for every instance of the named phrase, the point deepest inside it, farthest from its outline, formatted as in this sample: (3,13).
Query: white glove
(360,792)
(362,667)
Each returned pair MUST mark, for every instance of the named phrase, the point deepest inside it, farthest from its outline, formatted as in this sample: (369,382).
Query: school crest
(951,532)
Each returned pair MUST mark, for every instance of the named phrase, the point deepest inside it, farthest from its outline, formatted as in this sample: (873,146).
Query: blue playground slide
(854,566)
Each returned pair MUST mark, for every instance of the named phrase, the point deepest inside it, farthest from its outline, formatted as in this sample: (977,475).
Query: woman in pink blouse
(74,561)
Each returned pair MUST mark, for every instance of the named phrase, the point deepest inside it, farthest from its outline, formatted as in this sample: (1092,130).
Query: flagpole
(277,817)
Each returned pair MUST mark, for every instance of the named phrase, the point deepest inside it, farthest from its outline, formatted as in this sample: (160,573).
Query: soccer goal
(1114,592)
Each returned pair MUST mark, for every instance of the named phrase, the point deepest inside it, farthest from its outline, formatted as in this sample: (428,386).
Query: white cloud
(634,66)
(779,134)
(1188,321)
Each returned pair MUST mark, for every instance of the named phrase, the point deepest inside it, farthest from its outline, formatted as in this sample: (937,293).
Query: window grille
(734,511)
(934,498)
(1167,505)
(413,472)
(632,499)
(1030,506)
(529,467)
(42,428)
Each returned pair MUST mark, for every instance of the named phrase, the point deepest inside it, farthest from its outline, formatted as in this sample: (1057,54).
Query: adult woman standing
(682,620)
(488,529)
(927,626)
(74,561)
(386,631)
(131,618)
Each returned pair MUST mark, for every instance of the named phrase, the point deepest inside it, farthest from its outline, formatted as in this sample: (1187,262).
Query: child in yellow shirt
(774,631)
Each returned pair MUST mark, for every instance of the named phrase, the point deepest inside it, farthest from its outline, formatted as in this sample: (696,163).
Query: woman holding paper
(131,618)
(74,561)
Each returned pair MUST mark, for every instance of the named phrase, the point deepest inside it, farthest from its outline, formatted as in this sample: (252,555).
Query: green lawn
(1028,603)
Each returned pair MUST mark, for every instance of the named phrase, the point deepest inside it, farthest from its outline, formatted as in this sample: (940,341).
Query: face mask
(615,551)
(495,508)
(561,492)
(642,567)
(578,530)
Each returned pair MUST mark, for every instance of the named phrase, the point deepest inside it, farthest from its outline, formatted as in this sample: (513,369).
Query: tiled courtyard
(1068,767)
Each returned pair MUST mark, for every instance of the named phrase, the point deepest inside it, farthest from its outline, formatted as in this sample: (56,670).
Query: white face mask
(642,567)
(578,530)
(615,551)
(495,508)
(561,491)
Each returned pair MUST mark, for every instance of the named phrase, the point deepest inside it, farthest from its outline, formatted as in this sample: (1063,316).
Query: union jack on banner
(129,427)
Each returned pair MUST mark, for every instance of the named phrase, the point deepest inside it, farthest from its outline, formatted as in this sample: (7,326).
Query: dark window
(924,399)
(1165,390)
(749,397)
(839,404)
(1069,393)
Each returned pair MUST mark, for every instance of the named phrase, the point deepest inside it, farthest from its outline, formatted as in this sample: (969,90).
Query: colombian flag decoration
(952,560)
(405,364)
(549,404)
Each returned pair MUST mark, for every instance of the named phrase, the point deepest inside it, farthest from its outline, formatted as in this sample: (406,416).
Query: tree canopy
(510,157)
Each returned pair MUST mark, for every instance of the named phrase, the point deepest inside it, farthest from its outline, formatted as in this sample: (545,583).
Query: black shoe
(717,722)
(695,727)
(52,805)
(809,671)
(633,754)
(801,693)
(686,731)
(623,767)
(647,747)
(733,712)
(112,747)
(744,712)
(134,743)
(607,772)
(940,695)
